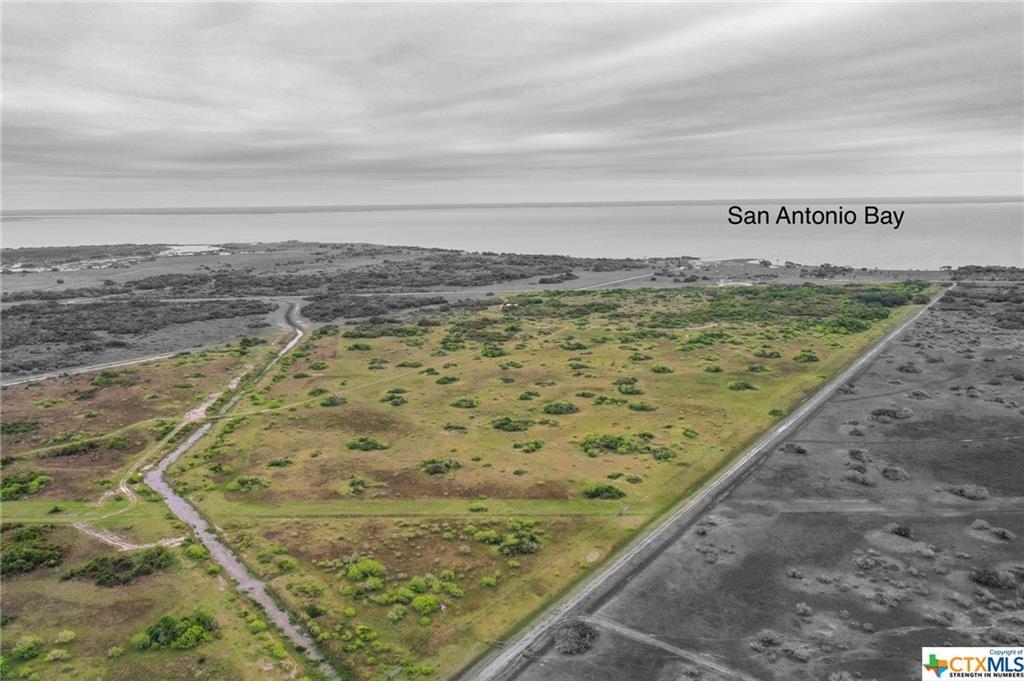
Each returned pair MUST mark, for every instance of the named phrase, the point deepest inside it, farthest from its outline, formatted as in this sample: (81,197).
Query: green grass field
(413,492)
(103,620)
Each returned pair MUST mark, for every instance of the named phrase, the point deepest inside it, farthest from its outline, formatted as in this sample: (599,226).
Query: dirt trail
(246,582)
(699,659)
(219,552)
(123,544)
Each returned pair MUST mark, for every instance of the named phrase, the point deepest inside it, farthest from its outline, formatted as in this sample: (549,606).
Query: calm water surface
(931,235)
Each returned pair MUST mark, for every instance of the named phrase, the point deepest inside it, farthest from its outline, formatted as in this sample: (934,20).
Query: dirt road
(246,583)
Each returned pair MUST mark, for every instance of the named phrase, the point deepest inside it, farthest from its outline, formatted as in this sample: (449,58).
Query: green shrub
(115,652)
(509,424)
(597,444)
(595,490)
(356,485)
(65,636)
(360,347)
(394,399)
(465,403)
(15,427)
(366,444)
(124,568)
(805,356)
(276,650)
(493,351)
(27,648)
(607,399)
(196,552)
(24,548)
(184,633)
(742,385)
(521,539)
(528,447)
(704,339)
(17,485)
(247,484)
(439,466)
(332,401)
(426,604)
(363,568)
(560,408)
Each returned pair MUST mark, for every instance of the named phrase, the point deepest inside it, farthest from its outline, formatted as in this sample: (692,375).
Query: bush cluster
(177,633)
(124,568)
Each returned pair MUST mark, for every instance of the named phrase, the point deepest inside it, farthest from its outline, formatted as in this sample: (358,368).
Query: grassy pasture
(83,431)
(327,462)
(482,462)
(41,604)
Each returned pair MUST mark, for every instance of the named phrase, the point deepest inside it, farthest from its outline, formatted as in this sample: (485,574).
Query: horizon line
(372,207)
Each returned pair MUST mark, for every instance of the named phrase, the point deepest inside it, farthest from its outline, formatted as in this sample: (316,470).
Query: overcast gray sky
(126,105)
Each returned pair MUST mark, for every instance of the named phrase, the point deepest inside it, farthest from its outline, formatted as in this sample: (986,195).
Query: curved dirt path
(246,583)
(123,544)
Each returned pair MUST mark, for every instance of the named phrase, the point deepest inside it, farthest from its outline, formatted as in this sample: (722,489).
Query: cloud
(224,103)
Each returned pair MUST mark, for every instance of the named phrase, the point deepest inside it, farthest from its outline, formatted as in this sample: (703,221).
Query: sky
(120,105)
